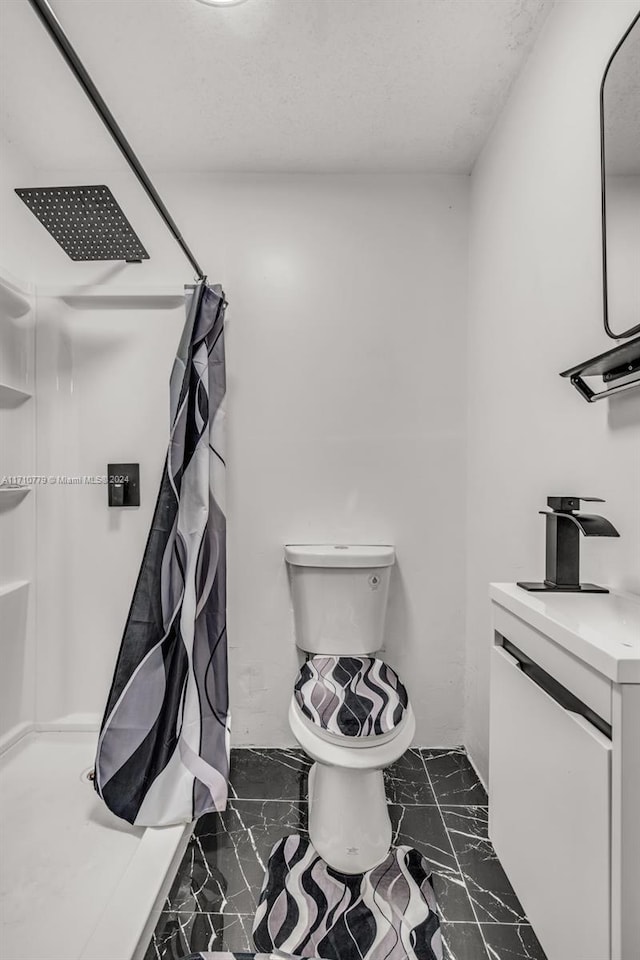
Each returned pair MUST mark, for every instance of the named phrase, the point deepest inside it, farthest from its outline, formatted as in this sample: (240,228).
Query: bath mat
(243,956)
(351,696)
(308,909)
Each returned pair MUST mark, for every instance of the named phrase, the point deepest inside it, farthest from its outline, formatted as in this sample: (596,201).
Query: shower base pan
(76,883)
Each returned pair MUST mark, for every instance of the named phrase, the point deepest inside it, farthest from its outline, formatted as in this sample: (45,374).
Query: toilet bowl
(349,712)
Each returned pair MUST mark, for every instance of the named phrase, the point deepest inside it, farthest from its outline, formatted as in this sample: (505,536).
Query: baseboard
(477,772)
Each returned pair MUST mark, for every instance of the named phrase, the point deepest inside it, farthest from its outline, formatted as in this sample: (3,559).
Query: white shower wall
(17,457)
(346,345)
(17,510)
(102,397)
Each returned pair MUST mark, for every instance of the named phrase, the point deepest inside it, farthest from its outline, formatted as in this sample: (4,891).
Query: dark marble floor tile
(453,778)
(224,865)
(512,942)
(463,941)
(422,828)
(490,891)
(407,782)
(265,774)
(178,934)
(214,896)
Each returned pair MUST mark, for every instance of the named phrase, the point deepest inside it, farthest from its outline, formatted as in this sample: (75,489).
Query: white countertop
(601,629)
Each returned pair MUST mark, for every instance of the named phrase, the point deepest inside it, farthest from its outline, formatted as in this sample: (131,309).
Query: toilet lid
(351,696)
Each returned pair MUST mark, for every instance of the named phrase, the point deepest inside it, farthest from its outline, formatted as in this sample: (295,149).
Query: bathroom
(402,202)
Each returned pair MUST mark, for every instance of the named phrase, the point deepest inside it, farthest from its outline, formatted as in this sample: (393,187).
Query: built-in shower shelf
(14,301)
(616,370)
(12,587)
(103,297)
(12,396)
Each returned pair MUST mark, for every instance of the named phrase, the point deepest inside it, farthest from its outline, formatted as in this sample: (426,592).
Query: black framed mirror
(620,154)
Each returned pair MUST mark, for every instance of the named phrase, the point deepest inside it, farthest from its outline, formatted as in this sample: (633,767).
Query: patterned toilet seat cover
(351,696)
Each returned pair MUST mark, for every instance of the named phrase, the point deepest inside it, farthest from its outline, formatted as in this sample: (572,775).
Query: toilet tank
(339,595)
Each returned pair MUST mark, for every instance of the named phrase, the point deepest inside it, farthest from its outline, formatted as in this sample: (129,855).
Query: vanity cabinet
(550,808)
(564,803)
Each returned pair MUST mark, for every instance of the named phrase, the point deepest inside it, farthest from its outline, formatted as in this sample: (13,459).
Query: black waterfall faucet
(564,526)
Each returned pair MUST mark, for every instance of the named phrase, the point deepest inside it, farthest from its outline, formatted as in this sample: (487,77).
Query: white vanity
(564,812)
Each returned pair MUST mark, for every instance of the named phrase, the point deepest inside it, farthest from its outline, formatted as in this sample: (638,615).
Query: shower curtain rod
(62,42)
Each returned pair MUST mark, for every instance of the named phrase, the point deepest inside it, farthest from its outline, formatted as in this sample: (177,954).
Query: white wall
(16,232)
(346,352)
(534,310)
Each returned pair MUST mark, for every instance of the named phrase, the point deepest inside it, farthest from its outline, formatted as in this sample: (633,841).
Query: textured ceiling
(269,85)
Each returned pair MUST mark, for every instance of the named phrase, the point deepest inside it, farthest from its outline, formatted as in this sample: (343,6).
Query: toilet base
(349,823)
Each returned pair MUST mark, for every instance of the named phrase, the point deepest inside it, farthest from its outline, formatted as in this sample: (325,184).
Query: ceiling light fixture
(220,3)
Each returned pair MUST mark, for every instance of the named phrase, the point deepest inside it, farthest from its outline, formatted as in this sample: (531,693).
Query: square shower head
(86,221)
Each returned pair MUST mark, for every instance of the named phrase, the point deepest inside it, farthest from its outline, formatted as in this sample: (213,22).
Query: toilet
(349,711)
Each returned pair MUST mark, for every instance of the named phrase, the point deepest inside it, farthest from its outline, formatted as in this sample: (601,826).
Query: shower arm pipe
(62,42)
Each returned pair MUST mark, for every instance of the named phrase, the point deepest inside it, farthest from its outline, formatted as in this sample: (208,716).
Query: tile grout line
(455,854)
(390,803)
(233,913)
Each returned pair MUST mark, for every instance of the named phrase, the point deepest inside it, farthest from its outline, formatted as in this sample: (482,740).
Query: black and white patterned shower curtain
(163,751)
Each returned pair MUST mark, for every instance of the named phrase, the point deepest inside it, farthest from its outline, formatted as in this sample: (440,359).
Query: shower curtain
(163,750)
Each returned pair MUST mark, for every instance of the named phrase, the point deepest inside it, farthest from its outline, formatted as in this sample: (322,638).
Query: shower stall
(84,380)
(76,881)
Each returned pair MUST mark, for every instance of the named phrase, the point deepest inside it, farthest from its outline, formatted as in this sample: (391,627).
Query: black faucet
(564,526)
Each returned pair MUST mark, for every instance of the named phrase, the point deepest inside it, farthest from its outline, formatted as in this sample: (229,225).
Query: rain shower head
(86,221)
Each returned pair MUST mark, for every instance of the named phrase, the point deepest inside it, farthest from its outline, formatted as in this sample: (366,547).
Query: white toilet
(349,712)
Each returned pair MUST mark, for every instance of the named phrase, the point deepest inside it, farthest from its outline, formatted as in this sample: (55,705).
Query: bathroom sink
(602,629)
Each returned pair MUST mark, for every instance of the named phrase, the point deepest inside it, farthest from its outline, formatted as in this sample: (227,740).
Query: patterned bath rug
(225,955)
(308,909)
